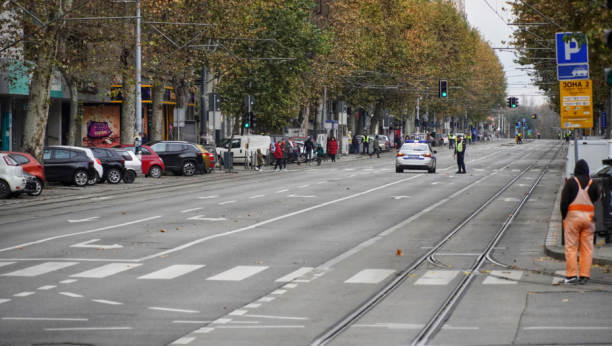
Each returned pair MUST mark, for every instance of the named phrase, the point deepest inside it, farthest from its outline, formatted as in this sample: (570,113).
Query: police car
(415,155)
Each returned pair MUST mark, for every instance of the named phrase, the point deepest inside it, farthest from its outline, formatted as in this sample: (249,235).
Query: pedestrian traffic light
(443,89)
(608,76)
(247,120)
(416,123)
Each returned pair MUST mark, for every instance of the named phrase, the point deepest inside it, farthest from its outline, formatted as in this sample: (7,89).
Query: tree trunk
(182,86)
(158,113)
(74,110)
(128,110)
(33,140)
(359,127)
(305,117)
(377,116)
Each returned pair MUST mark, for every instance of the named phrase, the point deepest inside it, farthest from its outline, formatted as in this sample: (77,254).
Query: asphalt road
(277,258)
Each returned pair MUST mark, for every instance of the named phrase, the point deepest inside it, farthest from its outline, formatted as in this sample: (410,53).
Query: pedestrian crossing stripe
(172,272)
(437,277)
(238,273)
(106,270)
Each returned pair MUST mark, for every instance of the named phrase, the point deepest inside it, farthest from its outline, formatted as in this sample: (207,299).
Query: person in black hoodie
(577,211)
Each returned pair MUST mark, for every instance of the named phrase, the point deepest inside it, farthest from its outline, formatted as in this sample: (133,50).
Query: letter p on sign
(569,50)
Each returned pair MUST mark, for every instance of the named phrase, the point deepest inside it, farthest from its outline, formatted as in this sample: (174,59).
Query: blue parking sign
(571,52)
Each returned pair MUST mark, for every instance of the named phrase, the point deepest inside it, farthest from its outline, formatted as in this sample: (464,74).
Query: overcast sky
(486,18)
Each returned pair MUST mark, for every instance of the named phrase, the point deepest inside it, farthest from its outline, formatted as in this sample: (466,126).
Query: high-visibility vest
(460,147)
(452,137)
(366,139)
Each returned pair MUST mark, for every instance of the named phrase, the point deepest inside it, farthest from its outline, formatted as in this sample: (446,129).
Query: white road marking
(204,330)
(188,210)
(437,277)
(238,273)
(282,191)
(337,179)
(252,306)
(370,276)
(279,292)
(259,327)
(172,271)
(106,270)
(183,341)
(516,170)
(299,187)
(23,294)
(48,287)
(83,329)
(195,322)
(174,310)
(567,328)
(238,312)
(78,233)
(109,302)
(349,169)
(276,317)
(202,218)
(479,169)
(41,269)
(322,182)
(264,299)
(400,197)
(257,196)
(436,183)
(298,196)
(354,175)
(221,320)
(73,295)
(558,280)
(4,300)
(290,286)
(513,275)
(511,200)
(228,202)
(84,220)
(69,281)
(296,274)
(2,264)
(86,245)
(215,196)
(44,319)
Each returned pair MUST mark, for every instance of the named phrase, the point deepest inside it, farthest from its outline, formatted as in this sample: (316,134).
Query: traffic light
(518,124)
(525,125)
(509,102)
(608,76)
(253,119)
(516,102)
(247,120)
(513,102)
(534,116)
(416,123)
(443,89)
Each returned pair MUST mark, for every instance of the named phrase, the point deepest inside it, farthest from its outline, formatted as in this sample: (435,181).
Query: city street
(348,253)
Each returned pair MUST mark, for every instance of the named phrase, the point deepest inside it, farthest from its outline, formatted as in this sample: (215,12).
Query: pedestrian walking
(451,140)
(309,149)
(538,135)
(460,153)
(332,147)
(287,151)
(278,154)
(376,147)
(397,141)
(260,160)
(366,143)
(320,154)
(356,144)
(578,211)
(567,137)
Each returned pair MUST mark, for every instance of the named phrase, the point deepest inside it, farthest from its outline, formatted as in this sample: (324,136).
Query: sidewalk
(602,253)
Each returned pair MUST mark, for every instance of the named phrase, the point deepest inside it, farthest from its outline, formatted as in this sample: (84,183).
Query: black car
(33,187)
(112,163)
(68,166)
(180,158)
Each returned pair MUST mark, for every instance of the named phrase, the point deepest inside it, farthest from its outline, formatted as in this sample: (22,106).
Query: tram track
(441,315)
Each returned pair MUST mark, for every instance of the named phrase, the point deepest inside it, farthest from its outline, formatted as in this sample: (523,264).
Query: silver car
(415,155)
(133,165)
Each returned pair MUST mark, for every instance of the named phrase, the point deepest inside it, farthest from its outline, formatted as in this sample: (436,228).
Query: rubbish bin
(228,160)
(603,211)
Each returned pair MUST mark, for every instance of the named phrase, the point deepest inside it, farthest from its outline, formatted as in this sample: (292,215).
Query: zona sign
(576,104)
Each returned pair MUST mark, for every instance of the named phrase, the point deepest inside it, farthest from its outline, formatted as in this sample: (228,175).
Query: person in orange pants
(577,211)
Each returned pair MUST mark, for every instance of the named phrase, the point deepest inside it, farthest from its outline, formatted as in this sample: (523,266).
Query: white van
(591,151)
(243,146)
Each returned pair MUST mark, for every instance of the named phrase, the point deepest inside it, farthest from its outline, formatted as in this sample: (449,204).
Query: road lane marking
(337,179)
(226,202)
(567,328)
(437,277)
(277,317)
(279,292)
(510,200)
(48,287)
(78,233)
(2,264)
(298,196)
(370,276)
(282,191)
(354,175)
(238,273)
(44,319)
(41,269)
(73,295)
(264,299)
(174,310)
(322,182)
(252,306)
(204,330)
(294,275)
(260,327)
(512,275)
(238,312)
(84,329)
(84,220)
(202,218)
(215,196)
(105,270)
(400,197)
(257,196)
(69,281)
(183,341)
(106,302)
(195,322)
(23,294)
(4,300)
(290,286)
(105,247)
(188,210)
(299,187)
(172,271)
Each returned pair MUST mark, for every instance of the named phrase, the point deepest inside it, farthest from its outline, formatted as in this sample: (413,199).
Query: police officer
(460,153)
(366,143)
(451,140)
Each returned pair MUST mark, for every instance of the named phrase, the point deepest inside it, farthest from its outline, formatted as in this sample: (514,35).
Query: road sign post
(576,104)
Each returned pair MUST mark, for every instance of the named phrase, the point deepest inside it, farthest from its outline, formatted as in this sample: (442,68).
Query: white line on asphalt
(174,310)
(264,299)
(282,191)
(238,273)
(92,328)
(257,196)
(279,292)
(296,274)
(188,210)
(43,319)
(2,264)
(299,187)
(504,277)
(69,281)
(41,269)
(337,179)
(23,294)
(290,286)
(305,210)
(204,330)
(354,175)
(459,328)
(195,322)
(322,182)
(567,328)
(78,233)
(298,196)
(259,327)
(226,202)
(48,287)
(370,276)
(437,277)
(4,300)
(238,312)
(105,270)
(252,306)
(109,302)
(84,220)
(73,295)
(183,341)
(276,317)
(172,271)
(221,320)
(208,197)
(244,322)
(202,218)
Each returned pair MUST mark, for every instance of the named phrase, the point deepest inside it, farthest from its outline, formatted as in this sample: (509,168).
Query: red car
(152,164)
(30,165)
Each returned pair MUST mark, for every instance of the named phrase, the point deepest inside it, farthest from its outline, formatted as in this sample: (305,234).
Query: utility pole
(138,73)
(203,112)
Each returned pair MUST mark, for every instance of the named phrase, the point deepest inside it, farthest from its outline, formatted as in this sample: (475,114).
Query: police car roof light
(412,141)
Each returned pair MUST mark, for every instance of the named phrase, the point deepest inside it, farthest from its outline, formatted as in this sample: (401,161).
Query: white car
(415,155)
(90,154)
(579,71)
(133,165)
(12,180)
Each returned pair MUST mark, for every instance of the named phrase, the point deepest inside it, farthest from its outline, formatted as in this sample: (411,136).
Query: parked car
(113,164)
(152,164)
(384,142)
(12,180)
(180,158)
(33,188)
(97,164)
(30,165)
(212,157)
(133,166)
(68,165)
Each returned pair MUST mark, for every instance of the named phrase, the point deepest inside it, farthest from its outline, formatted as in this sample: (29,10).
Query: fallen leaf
(399,253)
(123,212)
(566,300)
(163,231)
